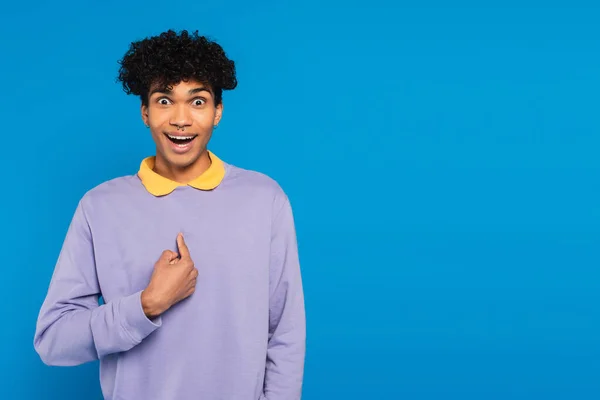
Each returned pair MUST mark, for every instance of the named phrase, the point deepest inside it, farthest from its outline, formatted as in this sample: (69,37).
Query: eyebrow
(190,92)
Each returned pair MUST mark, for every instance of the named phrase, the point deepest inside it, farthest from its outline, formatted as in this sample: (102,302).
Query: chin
(183,160)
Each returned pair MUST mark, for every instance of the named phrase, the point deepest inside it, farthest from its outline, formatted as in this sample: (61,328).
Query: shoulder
(254,182)
(257,189)
(110,192)
(96,202)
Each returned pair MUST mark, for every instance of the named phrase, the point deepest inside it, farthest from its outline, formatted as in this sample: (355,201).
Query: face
(181,119)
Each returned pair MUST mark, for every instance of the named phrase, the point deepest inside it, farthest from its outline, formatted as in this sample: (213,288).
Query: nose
(181,116)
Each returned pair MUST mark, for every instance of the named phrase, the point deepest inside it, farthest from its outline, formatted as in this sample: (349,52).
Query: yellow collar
(158,185)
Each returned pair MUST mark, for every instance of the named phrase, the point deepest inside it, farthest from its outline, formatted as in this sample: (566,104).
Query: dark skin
(173,279)
(186,110)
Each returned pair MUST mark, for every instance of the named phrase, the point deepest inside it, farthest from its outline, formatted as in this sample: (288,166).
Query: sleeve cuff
(134,321)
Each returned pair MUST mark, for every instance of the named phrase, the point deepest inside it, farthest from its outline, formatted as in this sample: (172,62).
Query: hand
(173,280)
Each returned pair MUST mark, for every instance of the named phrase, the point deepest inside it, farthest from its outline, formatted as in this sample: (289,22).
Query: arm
(287,325)
(72,328)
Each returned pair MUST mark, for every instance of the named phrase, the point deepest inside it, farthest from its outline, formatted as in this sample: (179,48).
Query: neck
(184,174)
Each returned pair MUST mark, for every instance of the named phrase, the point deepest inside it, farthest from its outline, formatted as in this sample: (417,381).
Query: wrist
(150,305)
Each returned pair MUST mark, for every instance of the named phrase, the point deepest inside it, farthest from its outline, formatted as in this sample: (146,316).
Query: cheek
(158,119)
(204,118)
(157,135)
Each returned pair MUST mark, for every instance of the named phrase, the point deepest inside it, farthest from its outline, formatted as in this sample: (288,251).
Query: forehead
(182,88)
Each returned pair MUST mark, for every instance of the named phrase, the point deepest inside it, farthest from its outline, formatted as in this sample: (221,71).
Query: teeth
(180,137)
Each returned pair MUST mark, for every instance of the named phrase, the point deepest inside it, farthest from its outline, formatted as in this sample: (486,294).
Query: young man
(195,259)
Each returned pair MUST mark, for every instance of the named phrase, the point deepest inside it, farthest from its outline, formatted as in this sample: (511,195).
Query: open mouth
(180,140)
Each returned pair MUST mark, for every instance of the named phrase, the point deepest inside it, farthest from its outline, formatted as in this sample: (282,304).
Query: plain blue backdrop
(442,162)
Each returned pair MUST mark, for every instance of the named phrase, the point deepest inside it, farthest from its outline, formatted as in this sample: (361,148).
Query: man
(195,259)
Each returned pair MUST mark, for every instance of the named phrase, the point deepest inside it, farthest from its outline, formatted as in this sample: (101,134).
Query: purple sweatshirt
(240,336)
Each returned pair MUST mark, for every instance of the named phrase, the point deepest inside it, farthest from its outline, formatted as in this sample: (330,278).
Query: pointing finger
(183,249)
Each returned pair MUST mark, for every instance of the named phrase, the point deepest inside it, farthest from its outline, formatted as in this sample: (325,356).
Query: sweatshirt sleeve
(72,328)
(287,325)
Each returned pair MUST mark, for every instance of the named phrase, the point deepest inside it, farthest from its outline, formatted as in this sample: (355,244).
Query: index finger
(183,249)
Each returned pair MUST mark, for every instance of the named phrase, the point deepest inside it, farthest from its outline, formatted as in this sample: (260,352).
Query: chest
(228,242)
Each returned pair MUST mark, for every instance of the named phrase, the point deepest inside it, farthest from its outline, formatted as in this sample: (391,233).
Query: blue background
(442,162)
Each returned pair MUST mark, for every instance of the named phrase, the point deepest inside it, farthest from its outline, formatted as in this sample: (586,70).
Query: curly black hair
(170,58)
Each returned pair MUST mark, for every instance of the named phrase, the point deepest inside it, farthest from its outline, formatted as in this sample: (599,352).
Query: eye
(199,102)
(163,101)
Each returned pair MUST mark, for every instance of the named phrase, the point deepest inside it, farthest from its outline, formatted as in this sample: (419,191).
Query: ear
(218,114)
(144,111)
